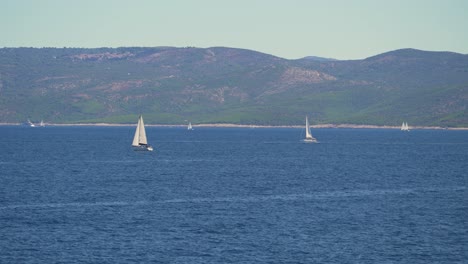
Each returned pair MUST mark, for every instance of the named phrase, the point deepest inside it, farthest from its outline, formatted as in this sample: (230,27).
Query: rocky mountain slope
(226,85)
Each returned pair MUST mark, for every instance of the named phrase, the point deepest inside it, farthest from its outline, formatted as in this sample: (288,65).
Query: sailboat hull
(142,148)
(310,140)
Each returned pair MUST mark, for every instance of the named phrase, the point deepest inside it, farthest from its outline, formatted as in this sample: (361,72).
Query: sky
(291,29)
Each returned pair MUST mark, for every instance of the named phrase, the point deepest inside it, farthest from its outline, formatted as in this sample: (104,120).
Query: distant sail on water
(31,123)
(140,141)
(404,127)
(309,138)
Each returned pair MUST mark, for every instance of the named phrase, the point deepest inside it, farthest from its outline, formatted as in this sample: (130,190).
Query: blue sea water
(233,195)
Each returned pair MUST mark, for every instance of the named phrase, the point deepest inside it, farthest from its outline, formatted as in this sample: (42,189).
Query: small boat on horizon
(404,127)
(140,142)
(30,123)
(189,127)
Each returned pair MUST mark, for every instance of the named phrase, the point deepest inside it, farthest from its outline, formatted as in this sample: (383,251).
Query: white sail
(189,127)
(404,126)
(309,137)
(139,140)
(137,134)
(308,134)
(142,139)
(140,133)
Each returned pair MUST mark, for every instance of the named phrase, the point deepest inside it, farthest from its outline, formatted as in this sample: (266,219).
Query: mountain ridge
(227,85)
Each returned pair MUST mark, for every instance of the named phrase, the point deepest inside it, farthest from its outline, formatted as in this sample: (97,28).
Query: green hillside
(225,85)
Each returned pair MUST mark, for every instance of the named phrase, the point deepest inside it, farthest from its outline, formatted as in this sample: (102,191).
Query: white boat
(139,140)
(31,123)
(404,127)
(42,123)
(309,138)
(189,127)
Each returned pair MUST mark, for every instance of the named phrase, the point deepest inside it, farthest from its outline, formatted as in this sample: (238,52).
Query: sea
(80,194)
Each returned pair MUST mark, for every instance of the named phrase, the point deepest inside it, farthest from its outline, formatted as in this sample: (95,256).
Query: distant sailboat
(31,123)
(139,140)
(309,137)
(404,127)
(42,123)
(189,127)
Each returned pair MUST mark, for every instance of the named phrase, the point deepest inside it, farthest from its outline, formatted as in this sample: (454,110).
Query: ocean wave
(241,199)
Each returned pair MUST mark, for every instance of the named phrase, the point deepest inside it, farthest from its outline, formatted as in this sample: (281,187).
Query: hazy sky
(342,29)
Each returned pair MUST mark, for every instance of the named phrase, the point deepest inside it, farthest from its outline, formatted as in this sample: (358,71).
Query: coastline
(350,126)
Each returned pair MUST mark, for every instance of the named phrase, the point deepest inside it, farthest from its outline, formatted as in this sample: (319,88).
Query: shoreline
(352,126)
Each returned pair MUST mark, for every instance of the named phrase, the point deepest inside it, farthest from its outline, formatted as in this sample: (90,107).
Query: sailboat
(189,127)
(139,140)
(404,127)
(42,123)
(309,138)
(31,123)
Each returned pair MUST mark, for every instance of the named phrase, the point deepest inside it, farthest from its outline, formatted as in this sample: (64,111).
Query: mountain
(315,58)
(169,85)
